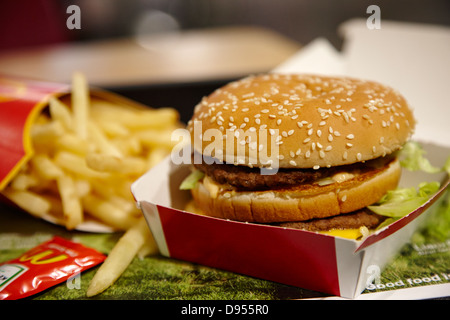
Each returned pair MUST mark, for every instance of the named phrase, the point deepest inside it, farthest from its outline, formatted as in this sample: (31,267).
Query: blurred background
(172,52)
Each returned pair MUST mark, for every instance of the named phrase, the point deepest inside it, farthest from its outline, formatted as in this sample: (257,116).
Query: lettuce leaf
(401,201)
(413,158)
(437,225)
(447,166)
(397,203)
(191,180)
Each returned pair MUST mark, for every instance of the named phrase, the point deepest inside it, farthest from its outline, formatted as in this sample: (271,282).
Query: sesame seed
(316,167)
(319,133)
(345,155)
(293,163)
(307,154)
(346,117)
(322,154)
(358,156)
(350,136)
(330,137)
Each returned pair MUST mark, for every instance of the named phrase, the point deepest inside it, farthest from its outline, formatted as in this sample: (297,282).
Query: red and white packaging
(309,260)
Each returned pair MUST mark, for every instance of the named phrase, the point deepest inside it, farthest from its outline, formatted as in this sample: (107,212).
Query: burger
(298,151)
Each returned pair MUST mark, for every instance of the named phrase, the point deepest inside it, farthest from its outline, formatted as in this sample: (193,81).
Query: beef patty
(246,178)
(353,220)
(251,179)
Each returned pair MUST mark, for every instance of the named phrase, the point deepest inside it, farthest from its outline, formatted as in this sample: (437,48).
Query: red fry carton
(309,260)
(21,101)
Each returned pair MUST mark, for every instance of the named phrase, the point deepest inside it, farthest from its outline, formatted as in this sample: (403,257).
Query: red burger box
(309,260)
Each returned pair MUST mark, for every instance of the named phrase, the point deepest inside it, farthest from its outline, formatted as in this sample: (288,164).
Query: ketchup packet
(44,266)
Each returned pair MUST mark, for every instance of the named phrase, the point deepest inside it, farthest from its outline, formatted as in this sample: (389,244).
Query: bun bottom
(299,203)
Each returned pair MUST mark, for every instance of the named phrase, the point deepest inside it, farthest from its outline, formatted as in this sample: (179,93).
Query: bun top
(314,121)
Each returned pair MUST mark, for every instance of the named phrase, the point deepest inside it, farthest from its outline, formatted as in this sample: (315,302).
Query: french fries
(88,152)
(121,256)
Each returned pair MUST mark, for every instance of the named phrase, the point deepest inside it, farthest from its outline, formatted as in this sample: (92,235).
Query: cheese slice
(353,234)
(212,187)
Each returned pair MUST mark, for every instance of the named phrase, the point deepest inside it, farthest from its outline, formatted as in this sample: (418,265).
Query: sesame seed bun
(315,125)
(320,121)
